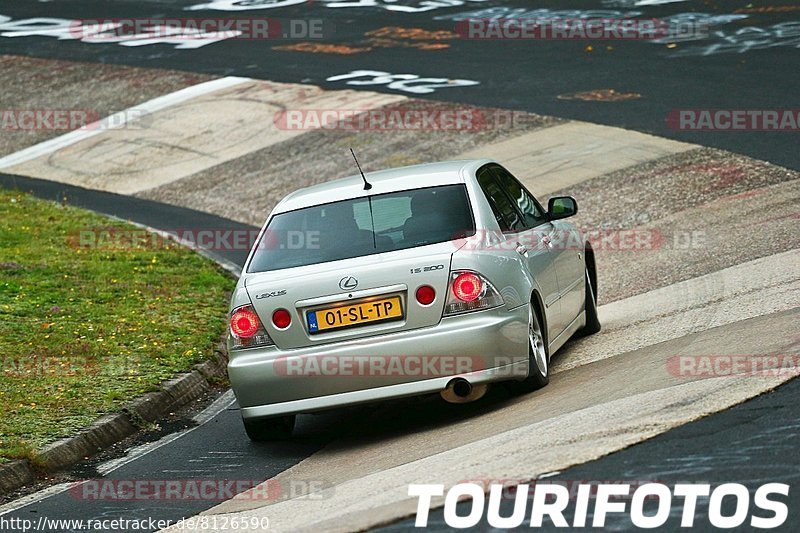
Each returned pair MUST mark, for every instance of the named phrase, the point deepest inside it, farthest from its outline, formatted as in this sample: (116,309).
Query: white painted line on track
(35,497)
(119,119)
(207,414)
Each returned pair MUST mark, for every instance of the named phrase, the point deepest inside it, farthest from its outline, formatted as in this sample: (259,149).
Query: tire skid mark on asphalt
(180,134)
(117,120)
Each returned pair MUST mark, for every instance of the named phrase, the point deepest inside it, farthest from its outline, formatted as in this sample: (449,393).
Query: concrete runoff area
(567,154)
(96,89)
(169,143)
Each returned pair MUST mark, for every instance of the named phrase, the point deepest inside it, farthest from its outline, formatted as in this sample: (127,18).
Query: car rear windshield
(364,226)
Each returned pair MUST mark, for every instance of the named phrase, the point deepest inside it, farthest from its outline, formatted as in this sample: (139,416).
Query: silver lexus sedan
(437,278)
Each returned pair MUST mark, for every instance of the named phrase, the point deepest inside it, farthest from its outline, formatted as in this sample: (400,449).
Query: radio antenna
(367,185)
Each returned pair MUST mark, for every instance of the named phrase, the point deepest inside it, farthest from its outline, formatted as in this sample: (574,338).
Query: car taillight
(467,287)
(470,291)
(426,295)
(244,323)
(246,329)
(281,318)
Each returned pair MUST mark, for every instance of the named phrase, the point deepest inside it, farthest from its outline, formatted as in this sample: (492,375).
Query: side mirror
(561,207)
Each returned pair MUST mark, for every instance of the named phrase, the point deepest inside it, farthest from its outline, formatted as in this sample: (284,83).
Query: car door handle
(547,241)
(521,250)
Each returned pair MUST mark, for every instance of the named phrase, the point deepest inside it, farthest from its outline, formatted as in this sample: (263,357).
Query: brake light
(467,287)
(470,291)
(246,330)
(281,318)
(426,295)
(244,323)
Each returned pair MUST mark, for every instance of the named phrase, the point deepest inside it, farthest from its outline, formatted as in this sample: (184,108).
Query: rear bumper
(485,346)
(386,392)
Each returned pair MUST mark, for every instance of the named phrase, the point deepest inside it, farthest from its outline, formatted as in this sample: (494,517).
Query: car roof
(383,181)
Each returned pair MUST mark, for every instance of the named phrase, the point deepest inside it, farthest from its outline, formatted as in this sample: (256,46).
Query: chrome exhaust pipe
(459,390)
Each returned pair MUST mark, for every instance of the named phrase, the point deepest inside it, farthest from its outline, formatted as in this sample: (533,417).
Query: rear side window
(504,211)
(531,211)
(364,226)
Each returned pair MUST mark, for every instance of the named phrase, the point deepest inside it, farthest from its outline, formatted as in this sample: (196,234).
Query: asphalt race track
(614,411)
(762,433)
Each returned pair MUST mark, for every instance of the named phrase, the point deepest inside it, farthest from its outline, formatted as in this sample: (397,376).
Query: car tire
(538,355)
(269,429)
(590,305)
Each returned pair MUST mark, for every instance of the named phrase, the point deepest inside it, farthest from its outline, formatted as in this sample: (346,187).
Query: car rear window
(364,226)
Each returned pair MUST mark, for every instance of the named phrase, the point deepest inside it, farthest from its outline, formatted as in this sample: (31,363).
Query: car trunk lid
(353,298)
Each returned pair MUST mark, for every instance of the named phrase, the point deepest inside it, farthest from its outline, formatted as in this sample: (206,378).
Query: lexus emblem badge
(349,283)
